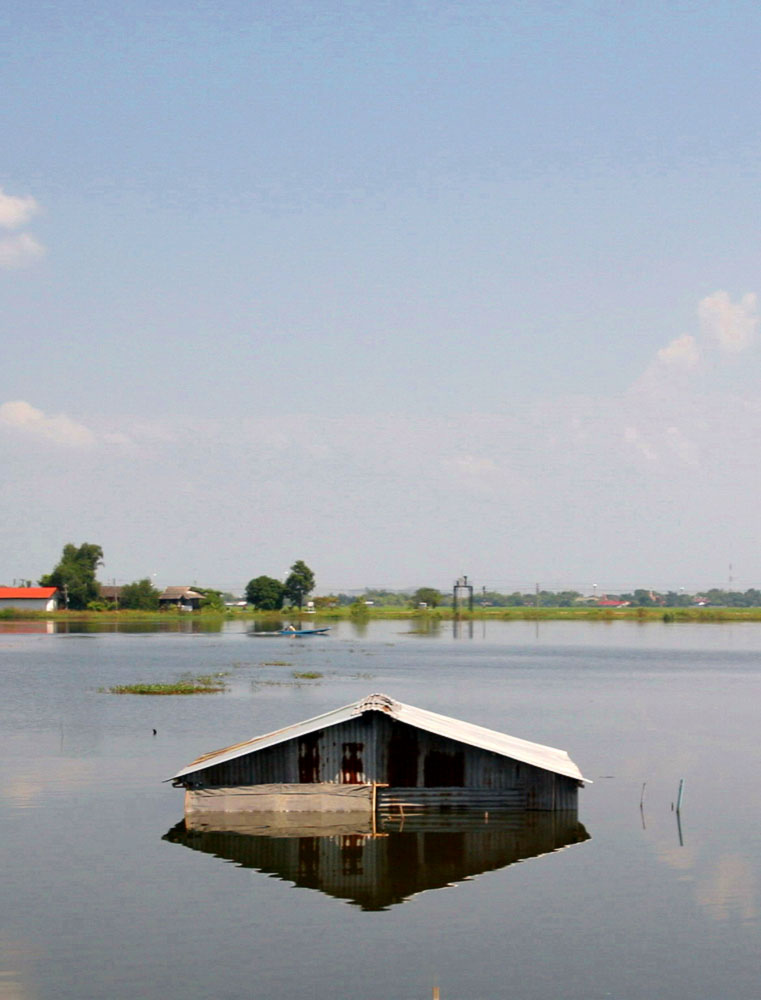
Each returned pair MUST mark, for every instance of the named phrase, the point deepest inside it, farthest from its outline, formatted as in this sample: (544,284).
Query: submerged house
(378,753)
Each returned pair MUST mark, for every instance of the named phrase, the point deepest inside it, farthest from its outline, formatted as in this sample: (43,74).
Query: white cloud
(20,415)
(726,327)
(682,446)
(15,211)
(117,438)
(633,438)
(472,465)
(683,352)
(485,491)
(478,473)
(732,326)
(20,251)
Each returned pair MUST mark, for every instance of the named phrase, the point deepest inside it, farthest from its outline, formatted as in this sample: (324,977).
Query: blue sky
(406,290)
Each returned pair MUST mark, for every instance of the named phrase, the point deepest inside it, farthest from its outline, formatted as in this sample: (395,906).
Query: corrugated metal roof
(175,593)
(535,754)
(31,593)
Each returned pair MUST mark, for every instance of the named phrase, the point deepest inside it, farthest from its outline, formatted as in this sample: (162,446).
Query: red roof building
(29,598)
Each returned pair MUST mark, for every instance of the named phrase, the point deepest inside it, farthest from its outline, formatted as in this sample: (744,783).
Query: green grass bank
(214,620)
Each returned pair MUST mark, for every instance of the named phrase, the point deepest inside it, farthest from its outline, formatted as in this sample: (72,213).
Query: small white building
(29,598)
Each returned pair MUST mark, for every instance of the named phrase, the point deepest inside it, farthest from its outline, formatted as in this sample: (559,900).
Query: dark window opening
(402,757)
(309,759)
(444,770)
(352,771)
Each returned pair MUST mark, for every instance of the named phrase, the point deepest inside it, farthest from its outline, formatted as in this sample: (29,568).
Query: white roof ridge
(537,754)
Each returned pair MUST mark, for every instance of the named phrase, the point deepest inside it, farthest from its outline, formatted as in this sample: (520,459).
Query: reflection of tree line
(404,857)
(187,624)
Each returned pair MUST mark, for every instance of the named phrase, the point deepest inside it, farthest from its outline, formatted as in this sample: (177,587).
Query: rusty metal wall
(395,802)
(343,754)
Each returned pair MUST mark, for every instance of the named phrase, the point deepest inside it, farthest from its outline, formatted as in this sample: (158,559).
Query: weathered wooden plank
(273,798)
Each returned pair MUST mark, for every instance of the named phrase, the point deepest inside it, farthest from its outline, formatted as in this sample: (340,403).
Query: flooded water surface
(107,893)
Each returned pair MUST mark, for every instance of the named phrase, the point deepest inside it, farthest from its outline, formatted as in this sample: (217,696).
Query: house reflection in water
(376,870)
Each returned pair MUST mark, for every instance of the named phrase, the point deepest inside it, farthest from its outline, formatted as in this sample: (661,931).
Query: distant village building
(380,753)
(30,598)
(110,593)
(612,602)
(180,597)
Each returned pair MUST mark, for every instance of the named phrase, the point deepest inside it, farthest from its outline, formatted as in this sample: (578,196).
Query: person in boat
(289,628)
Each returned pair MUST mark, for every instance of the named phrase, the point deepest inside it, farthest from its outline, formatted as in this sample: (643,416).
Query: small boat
(295,631)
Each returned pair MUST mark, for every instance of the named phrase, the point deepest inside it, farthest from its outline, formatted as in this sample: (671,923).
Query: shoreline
(351,613)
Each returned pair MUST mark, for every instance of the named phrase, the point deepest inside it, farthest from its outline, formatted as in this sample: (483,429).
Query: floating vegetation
(205,684)
(277,663)
(307,675)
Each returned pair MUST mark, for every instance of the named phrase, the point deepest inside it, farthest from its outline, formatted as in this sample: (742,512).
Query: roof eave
(535,754)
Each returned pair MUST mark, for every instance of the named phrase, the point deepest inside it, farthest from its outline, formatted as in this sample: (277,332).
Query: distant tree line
(639,598)
(75,577)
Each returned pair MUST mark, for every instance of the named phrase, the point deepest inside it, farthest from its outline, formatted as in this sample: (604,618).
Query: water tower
(460,590)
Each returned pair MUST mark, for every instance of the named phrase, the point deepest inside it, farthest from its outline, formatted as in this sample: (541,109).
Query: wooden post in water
(679,795)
